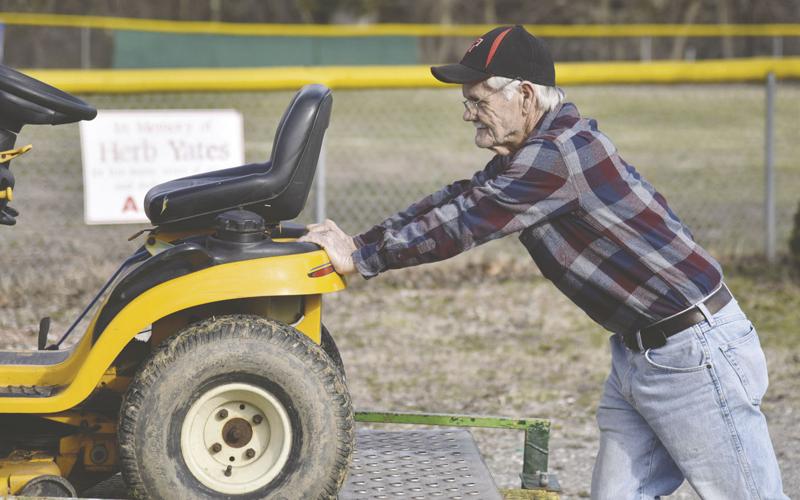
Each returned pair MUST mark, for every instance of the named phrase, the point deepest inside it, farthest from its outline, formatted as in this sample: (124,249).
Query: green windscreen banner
(137,49)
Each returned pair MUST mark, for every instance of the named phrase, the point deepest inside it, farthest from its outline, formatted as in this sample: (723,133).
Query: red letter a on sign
(130,205)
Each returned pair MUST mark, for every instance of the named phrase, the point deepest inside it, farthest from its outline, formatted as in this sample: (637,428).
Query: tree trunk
(724,16)
(489,12)
(689,16)
(445,43)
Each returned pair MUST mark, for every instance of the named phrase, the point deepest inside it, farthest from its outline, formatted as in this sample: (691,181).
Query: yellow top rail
(351,77)
(436,30)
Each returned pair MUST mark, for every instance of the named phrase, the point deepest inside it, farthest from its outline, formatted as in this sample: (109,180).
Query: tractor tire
(329,346)
(237,407)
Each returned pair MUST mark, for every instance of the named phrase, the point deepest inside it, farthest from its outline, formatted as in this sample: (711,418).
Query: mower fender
(286,275)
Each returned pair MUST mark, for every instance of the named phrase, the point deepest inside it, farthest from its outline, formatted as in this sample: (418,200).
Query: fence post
(777,46)
(769,174)
(646,48)
(86,48)
(320,187)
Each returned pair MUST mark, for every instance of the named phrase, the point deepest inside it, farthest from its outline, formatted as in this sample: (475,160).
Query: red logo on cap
(474,44)
(494,46)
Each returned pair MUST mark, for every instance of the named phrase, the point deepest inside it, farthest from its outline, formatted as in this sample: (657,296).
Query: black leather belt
(656,335)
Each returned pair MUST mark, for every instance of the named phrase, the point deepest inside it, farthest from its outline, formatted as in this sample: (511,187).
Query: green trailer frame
(537,482)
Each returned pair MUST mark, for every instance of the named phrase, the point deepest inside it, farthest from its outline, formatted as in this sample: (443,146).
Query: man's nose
(469,115)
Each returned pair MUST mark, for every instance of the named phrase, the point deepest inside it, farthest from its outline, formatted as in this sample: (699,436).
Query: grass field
(483,333)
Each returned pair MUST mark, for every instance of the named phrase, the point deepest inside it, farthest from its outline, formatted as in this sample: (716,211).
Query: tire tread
(217,330)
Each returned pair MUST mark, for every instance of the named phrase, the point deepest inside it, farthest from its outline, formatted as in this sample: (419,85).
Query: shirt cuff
(367,237)
(359,240)
(367,261)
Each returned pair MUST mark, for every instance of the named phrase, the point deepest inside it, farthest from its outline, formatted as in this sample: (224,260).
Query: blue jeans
(688,410)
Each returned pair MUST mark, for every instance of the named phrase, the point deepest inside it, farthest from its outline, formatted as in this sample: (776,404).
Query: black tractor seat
(276,190)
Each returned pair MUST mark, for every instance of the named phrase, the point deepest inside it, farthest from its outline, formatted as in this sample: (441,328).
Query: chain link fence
(700,145)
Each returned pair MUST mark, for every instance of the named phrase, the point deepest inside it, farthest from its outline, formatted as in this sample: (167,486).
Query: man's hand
(337,243)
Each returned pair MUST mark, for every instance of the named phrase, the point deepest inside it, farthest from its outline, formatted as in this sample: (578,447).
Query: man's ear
(528,96)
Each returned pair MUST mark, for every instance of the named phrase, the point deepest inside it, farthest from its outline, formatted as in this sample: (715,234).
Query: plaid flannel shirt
(599,231)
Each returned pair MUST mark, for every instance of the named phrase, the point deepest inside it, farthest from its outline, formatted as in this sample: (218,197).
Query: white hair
(547,98)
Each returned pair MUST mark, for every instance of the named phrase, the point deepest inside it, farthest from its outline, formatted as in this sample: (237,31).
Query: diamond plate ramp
(419,464)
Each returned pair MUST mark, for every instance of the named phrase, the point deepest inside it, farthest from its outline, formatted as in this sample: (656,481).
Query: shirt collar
(544,125)
(546,122)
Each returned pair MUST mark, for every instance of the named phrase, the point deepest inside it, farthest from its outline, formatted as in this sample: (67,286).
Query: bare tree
(724,17)
(489,12)
(689,17)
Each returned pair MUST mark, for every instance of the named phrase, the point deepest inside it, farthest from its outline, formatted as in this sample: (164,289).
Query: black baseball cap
(508,51)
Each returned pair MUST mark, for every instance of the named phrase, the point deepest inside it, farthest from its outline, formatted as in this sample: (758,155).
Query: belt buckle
(659,339)
(656,339)
(638,337)
(633,341)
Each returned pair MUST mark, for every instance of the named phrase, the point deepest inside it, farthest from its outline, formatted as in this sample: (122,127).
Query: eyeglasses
(472,106)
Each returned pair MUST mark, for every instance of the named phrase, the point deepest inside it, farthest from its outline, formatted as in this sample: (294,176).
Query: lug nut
(257,419)
(228,471)
(250,453)
(216,447)
(223,413)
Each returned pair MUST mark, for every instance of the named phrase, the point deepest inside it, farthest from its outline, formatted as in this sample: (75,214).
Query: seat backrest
(296,147)
(276,190)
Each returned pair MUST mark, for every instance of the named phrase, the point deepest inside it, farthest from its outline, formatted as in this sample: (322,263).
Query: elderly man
(688,372)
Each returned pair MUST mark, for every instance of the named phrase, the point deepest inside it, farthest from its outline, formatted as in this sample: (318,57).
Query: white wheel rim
(217,448)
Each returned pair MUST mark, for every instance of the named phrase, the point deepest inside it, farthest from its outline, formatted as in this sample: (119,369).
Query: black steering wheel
(31,101)
(25,100)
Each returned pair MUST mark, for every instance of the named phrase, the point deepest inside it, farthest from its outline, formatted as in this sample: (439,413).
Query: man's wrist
(367,261)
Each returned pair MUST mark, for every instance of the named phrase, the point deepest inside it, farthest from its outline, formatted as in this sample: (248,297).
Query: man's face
(499,122)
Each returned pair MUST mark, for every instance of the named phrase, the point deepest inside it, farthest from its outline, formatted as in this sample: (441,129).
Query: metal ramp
(418,464)
(410,464)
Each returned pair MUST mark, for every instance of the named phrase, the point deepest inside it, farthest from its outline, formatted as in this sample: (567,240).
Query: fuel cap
(239,226)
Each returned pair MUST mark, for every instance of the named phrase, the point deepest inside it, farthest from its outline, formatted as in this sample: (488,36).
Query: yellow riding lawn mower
(205,370)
